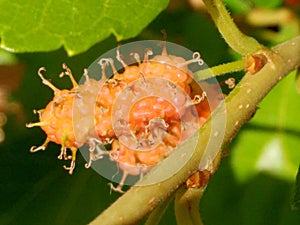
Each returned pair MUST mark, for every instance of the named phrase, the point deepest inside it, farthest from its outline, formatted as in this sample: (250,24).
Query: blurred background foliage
(255,183)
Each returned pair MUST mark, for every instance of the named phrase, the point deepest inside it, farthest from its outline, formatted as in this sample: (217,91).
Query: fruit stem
(156,215)
(220,70)
(237,40)
(187,206)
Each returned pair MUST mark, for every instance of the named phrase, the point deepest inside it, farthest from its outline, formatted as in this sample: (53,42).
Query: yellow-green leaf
(37,25)
(270,142)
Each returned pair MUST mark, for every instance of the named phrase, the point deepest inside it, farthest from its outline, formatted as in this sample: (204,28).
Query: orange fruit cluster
(143,112)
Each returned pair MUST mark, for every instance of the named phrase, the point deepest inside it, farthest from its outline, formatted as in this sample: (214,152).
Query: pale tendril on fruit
(86,75)
(136,56)
(39,112)
(157,128)
(104,62)
(63,153)
(71,167)
(119,58)
(197,99)
(230,82)
(68,72)
(196,58)
(95,151)
(42,147)
(148,52)
(121,183)
(46,82)
(38,124)
(114,155)
(157,122)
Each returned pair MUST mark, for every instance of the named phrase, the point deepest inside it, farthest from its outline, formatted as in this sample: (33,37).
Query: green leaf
(263,199)
(270,142)
(29,26)
(267,3)
(238,6)
(296,199)
(244,6)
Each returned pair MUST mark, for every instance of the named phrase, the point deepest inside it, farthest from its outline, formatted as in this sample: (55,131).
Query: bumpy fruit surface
(143,113)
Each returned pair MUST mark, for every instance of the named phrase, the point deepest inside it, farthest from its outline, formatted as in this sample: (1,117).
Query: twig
(148,194)
(238,41)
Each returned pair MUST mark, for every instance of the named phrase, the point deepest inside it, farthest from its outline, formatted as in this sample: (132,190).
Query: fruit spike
(42,147)
(46,82)
(68,72)
(95,151)
(104,62)
(143,112)
(53,121)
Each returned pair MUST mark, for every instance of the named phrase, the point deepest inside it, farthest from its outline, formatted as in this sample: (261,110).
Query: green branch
(242,102)
(238,41)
